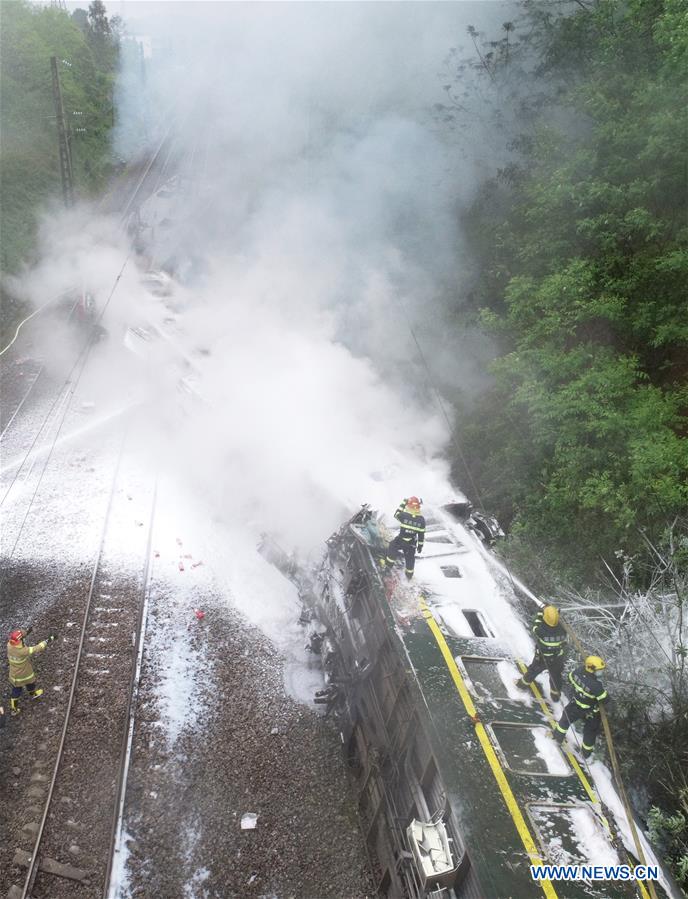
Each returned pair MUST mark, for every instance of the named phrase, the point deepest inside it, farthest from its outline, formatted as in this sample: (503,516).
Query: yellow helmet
(550,615)
(594,663)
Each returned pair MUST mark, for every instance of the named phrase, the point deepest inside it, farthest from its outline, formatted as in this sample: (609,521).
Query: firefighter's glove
(419,550)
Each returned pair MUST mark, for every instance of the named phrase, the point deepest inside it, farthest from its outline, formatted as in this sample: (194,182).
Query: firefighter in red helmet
(411,537)
(21,671)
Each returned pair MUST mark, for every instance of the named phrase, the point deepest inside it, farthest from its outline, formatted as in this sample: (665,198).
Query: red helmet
(16,637)
(413,503)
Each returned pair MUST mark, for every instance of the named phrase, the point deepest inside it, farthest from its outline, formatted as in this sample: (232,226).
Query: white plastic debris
(249,821)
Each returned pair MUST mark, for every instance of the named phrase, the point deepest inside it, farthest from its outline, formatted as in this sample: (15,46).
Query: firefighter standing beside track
(588,695)
(550,650)
(21,671)
(411,537)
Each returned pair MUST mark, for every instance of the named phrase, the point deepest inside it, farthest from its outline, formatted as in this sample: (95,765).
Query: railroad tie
(50,866)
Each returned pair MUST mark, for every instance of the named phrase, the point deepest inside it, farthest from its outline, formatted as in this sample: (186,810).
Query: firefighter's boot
(558,737)
(554,694)
(37,693)
(409,575)
(14,706)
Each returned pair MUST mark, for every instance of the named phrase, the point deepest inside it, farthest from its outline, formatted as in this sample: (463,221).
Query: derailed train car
(460,789)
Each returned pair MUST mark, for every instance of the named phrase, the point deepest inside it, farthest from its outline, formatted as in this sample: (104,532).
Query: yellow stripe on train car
(488,749)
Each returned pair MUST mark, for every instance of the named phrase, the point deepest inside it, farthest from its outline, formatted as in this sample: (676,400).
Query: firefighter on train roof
(411,537)
(550,649)
(588,695)
(21,673)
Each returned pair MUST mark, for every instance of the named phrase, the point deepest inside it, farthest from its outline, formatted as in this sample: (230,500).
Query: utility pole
(63,139)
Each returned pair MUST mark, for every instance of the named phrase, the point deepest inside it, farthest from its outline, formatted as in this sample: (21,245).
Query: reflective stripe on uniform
(577,686)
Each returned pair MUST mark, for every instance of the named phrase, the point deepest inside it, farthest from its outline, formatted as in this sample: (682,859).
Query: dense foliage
(86,47)
(581,443)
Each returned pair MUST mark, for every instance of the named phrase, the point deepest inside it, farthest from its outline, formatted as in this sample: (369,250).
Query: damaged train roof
(472,754)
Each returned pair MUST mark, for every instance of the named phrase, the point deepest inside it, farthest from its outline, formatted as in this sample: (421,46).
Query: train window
(357,583)
(488,677)
(559,829)
(420,754)
(477,623)
(402,713)
(450,570)
(528,749)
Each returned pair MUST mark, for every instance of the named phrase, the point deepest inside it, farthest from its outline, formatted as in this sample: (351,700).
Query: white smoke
(311,208)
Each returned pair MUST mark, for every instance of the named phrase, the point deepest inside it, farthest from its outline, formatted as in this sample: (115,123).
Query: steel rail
(33,867)
(128,735)
(21,403)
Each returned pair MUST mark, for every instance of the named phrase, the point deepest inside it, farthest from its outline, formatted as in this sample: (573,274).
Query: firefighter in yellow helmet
(21,670)
(411,537)
(588,695)
(550,649)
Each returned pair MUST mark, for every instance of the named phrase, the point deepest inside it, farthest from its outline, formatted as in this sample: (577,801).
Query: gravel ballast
(248,749)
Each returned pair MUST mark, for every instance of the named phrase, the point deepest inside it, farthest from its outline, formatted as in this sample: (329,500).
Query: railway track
(29,371)
(76,791)
(75,795)
(20,385)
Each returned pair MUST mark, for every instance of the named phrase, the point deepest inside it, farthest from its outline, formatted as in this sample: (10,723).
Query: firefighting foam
(309,234)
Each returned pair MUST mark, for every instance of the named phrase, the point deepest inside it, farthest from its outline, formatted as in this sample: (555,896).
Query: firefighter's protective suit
(588,695)
(410,538)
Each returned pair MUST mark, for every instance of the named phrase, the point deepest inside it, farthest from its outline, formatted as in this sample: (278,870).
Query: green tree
(583,247)
(29,169)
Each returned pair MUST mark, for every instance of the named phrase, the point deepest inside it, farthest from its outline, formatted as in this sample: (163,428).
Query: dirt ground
(245,747)
(251,750)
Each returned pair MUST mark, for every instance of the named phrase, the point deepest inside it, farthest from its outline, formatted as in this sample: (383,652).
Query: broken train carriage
(434,817)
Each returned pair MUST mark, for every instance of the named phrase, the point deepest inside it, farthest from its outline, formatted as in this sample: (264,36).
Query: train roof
(516,797)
